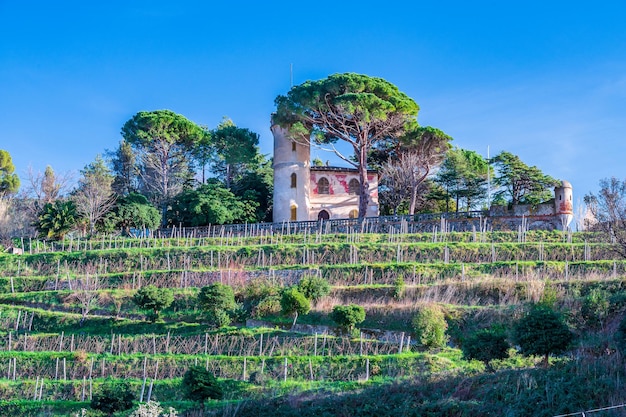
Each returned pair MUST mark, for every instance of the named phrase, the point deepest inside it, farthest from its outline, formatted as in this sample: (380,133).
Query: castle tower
(564,203)
(292,177)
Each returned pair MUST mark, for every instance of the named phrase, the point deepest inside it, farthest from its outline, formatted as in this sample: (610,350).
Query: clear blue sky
(545,79)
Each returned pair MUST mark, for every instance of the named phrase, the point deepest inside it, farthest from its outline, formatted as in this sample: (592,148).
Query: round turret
(564,203)
(292,161)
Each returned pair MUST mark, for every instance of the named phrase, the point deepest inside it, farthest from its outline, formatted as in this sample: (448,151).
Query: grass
(477,284)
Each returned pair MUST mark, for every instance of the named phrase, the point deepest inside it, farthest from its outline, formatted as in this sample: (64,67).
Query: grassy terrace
(54,355)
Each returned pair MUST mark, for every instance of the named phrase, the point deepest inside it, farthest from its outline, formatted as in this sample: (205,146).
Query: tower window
(294,213)
(353,186)
(294,180)
(293,146)
(323,187)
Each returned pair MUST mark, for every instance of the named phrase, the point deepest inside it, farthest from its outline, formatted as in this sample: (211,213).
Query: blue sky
(544,80)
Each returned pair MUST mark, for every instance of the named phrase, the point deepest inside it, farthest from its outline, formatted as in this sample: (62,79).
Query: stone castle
(303,192)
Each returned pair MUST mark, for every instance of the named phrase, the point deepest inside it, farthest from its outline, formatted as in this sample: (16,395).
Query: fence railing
(380,224)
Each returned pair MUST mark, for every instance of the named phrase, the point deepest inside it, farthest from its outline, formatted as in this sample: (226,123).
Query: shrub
(347,317)
(218,301)
(429,326)
(486,345)
(153,298)
(542,331)
(267,306)
(314,287)
(399,287)
(56,219)
(595,308)
(294,302)
(200,385)
(261,298)
(113,396)
(132,212)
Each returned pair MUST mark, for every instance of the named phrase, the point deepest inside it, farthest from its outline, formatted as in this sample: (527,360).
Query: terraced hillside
(69,323)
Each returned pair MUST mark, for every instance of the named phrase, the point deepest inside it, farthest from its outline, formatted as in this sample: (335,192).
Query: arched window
(323,187)
(353,186)
(294,213)
(353,214)
(294,180)
(323,215)
(293,146)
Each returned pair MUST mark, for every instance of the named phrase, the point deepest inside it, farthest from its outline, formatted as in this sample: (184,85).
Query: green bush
(294,302)
(56,219)
(218,302)
(429,326)
(595,308)
(153,298)
(542,331)
(399,288)
(486,345)
(260,298)
(347,317)
(200,385)
(314,287)
(113,396)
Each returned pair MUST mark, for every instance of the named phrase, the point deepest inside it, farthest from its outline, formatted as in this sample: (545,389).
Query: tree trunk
(295,317)
(364,194)
(545,361)
(413,201)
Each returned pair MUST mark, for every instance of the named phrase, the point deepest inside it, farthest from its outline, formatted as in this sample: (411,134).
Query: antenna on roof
(290,75)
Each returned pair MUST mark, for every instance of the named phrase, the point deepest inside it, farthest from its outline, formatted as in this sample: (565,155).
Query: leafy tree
(412,160)
(201,385)
(202,153)
(254,188)
(218,301)
(208,204)
(294,302)
(608,208)
(520,183)
(486,345)
(542,331)
(347,317)
(234,150)
(313,287)
(153,298)
(463,175)
(163,141)
(123,162)
(94,196)
(429,326)
(133,211)
(9,181)
(56,219)
(113,396)
(353,108)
